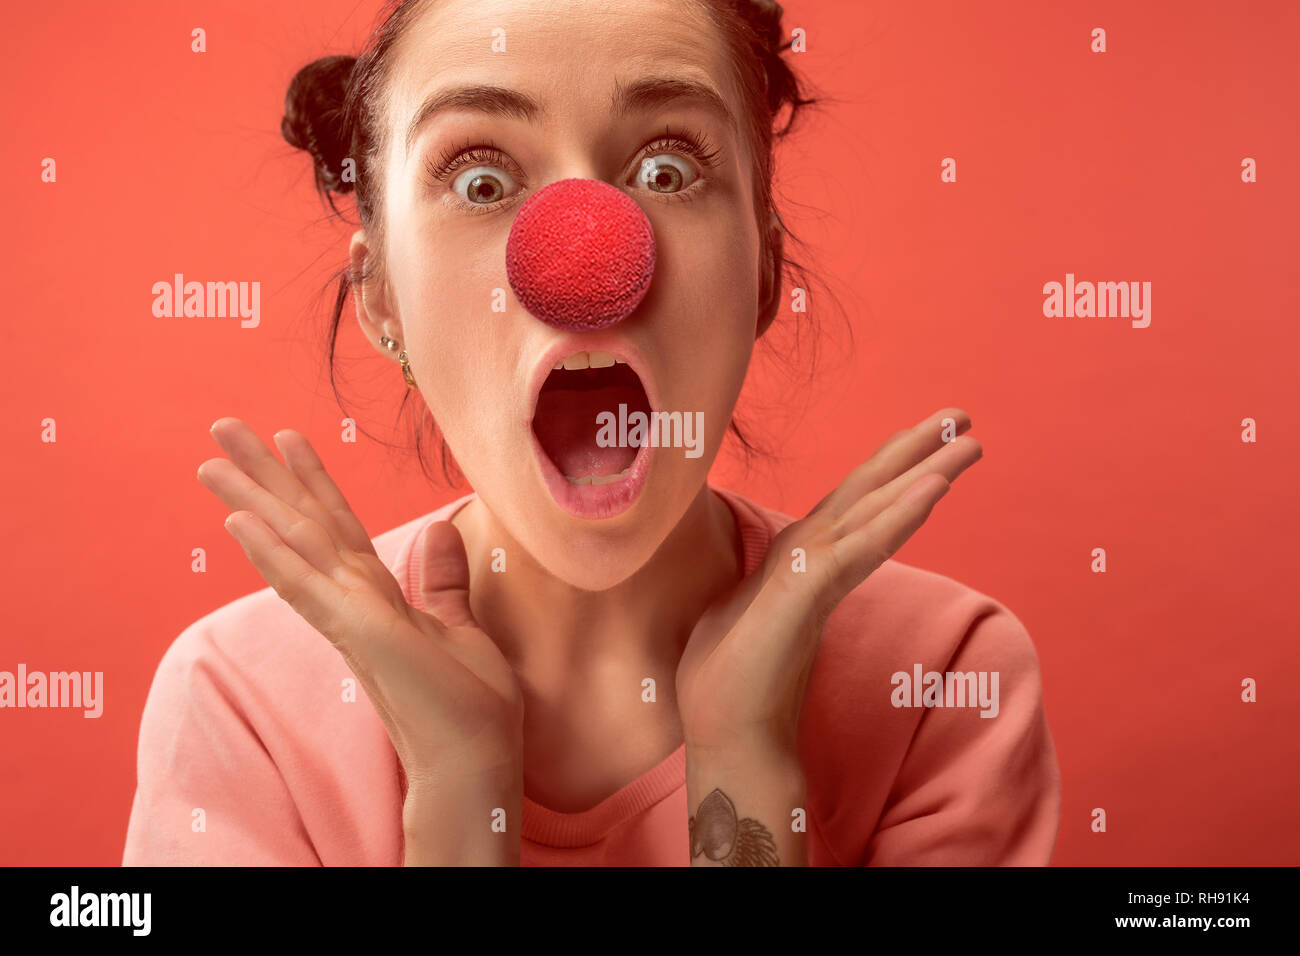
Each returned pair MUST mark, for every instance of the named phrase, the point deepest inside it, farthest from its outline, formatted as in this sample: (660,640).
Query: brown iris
(485,189)
(665,179)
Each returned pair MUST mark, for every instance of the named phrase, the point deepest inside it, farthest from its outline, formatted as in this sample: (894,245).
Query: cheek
(706,301)
(446,291)
(707,263)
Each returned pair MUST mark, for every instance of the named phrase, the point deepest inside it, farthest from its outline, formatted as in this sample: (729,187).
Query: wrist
(757,740)
(450,820)
(747,807)
(765,758)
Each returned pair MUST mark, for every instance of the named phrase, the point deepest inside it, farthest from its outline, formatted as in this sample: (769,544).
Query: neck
(539,620)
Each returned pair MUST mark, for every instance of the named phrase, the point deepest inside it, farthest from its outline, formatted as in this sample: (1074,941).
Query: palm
(441,686)
(450,674)
(745,666)
(724,679)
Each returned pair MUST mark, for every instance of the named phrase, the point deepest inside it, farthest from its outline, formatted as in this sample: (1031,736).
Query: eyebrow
(653,92)
(490,100)
(640,95)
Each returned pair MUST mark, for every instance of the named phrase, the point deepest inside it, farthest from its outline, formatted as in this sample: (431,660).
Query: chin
(596,555)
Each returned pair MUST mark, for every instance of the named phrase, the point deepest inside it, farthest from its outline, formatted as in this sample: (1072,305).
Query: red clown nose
(580,255)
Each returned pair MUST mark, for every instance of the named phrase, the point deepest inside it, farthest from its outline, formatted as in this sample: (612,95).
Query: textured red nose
(580,254)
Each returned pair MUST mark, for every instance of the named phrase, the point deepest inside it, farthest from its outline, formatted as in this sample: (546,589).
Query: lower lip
(593,501)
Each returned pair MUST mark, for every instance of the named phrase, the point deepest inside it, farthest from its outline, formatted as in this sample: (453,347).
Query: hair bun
(314,118)
(765,18)
(784,87)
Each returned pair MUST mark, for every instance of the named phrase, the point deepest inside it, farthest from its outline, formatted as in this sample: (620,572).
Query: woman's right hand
(447,696)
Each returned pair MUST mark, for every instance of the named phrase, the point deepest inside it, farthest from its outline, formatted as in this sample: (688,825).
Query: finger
(862,551)
(444,577)
(257,461)
(949,462)
(358,623)
(240,492)
(315,596)
(306,466)
(900,451)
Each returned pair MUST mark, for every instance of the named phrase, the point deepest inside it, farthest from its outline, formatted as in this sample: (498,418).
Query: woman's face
(520,432)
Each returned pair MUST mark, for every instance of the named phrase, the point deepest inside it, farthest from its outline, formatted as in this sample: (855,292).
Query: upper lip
(562,348)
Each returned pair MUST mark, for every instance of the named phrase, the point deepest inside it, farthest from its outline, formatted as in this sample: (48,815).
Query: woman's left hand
(741,678)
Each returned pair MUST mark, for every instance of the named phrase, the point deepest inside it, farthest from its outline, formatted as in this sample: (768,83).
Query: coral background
(1117,166)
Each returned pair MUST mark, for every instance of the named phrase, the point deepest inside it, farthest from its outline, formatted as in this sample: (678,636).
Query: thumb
(444,581)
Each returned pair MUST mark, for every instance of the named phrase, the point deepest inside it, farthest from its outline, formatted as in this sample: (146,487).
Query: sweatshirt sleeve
(208,792)
(974,790)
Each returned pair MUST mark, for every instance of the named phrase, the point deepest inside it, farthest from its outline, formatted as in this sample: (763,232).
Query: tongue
(565,424)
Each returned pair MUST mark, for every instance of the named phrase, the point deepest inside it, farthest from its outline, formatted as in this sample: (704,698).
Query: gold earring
(393,346)
(406,370)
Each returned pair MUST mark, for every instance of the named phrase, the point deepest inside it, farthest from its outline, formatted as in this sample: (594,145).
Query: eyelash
(486,153)
(683,141)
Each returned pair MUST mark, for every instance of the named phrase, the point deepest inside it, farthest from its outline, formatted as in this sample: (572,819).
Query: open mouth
(567,419)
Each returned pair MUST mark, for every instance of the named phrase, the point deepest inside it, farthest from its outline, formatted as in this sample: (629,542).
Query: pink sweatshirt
(246,722)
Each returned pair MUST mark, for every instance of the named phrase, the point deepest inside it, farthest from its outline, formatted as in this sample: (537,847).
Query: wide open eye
(484,185)
(666,173)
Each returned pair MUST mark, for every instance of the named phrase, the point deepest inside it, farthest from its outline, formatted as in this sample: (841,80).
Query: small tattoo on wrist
(722,837)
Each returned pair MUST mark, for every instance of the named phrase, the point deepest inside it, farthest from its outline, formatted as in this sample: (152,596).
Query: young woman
(595,657)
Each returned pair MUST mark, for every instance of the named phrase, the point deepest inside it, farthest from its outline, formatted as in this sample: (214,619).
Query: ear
(769,298)
(374,307)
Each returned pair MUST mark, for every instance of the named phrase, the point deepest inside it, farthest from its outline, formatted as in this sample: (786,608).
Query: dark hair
(333,111)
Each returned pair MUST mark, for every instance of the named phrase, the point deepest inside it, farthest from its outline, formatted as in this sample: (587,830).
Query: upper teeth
(590,360)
